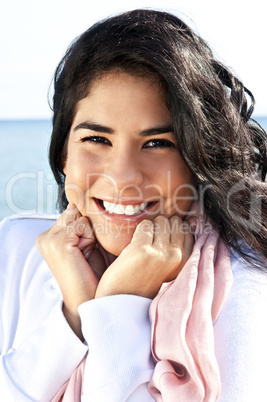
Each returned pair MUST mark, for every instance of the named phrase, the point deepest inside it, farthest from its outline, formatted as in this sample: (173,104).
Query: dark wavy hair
(211,113)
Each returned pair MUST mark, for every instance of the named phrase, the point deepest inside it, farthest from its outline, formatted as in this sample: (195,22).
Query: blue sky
(35,34)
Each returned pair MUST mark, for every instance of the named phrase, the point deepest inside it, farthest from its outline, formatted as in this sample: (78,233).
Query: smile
(123,209)
(120,209)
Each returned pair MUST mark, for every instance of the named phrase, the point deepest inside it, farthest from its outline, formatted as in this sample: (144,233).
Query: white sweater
(39,351)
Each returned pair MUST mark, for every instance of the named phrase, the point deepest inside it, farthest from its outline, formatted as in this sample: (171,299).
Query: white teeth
(120,209)
(137,209)
(117,210)
(130,210)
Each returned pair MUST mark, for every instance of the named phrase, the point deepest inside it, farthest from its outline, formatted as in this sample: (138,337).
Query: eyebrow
(165,128)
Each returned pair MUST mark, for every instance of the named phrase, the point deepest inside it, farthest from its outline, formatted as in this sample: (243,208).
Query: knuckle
(177,254)
(84,220)
(145,222)
(70,221)
(160,221)
(39,241)
(42,240)
(160,218)
(174,256)
(81,225)
(144,226)
(175,218)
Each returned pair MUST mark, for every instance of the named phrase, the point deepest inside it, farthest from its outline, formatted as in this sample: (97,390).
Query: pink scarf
(182,317)
(72,389)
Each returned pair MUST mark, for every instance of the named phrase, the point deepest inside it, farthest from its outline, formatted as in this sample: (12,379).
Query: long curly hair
(211,114)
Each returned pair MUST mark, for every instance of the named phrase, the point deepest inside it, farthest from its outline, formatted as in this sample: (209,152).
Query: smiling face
(122,163)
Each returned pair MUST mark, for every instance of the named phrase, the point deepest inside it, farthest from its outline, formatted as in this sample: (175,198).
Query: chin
(112,244)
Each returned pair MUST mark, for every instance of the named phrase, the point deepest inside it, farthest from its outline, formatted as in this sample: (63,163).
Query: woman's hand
(69,250)
(156,254)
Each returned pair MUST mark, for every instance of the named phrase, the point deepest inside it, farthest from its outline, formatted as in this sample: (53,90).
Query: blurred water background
(26,182)
(27,185)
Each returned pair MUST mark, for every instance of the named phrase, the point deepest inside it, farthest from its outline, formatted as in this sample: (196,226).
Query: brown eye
(159,143)
(96,139)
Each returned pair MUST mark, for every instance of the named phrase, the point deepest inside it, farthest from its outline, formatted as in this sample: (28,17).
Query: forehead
(122,78)
(99,78)
(123,95)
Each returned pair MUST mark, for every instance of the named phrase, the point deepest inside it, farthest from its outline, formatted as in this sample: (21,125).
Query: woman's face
(122,163)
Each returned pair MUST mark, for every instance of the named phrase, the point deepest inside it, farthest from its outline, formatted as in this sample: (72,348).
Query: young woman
(153,276)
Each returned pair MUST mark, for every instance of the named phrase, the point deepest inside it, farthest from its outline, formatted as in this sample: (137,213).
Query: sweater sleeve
(39,351)
(119,363)
(43,363)
(240,337)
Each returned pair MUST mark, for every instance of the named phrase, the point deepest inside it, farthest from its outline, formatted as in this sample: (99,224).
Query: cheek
(82,172)
(183,197)
(74,191)
(76,178)
(180,191)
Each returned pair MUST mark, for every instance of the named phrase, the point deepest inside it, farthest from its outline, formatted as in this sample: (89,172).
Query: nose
(125,169)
